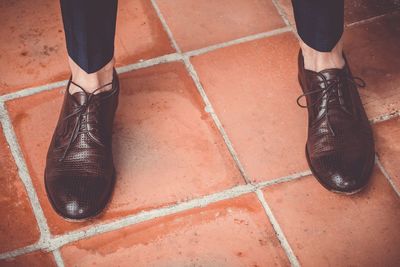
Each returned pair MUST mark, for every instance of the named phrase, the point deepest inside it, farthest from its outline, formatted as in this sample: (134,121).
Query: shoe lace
(330,91)
(79,115)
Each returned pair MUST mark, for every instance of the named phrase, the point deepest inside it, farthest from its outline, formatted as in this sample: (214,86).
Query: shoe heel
(299,80)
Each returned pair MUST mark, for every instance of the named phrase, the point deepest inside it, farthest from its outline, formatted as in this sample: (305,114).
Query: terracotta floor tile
(253,88)
(36,51)
(166,147)
(229,233)
(36,259)
(387,137)
(355,10)
(197,24)
(139,33)
(14,205)
(326,229)
(370,49)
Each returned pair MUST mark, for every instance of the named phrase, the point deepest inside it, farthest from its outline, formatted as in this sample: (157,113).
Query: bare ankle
(318,61)
(90,82)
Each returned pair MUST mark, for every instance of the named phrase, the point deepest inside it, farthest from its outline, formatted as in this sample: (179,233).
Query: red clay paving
(194,181)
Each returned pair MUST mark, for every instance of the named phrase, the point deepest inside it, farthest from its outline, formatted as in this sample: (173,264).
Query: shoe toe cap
(343,182)
(344,173)
(76,197)
(74,209)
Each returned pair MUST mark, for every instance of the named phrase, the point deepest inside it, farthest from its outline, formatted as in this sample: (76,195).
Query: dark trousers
(90,28)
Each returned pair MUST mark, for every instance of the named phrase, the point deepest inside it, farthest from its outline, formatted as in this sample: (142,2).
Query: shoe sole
(369,171)
(92,217)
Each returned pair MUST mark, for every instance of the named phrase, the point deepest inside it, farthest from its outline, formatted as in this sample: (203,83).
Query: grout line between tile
(284,179)
(284,16)
(21,251)
(58,258)
(55,242)
(282,13)
(150,62)
(384,172)
(165,26)
(385,117)
(240,40)
(193,74)
(23,173)
(278,231)
(208,107)
(32,90)
(372,19)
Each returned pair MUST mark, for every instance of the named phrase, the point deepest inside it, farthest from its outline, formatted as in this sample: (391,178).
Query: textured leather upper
(79,175)
(340,147)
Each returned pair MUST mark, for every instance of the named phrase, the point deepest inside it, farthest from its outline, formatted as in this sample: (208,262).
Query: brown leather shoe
(80,174)
(340,147)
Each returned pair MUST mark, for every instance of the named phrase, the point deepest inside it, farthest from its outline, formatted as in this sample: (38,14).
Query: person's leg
(340,147)
(80,173)
(320,26)
(89,27)
(316,61)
